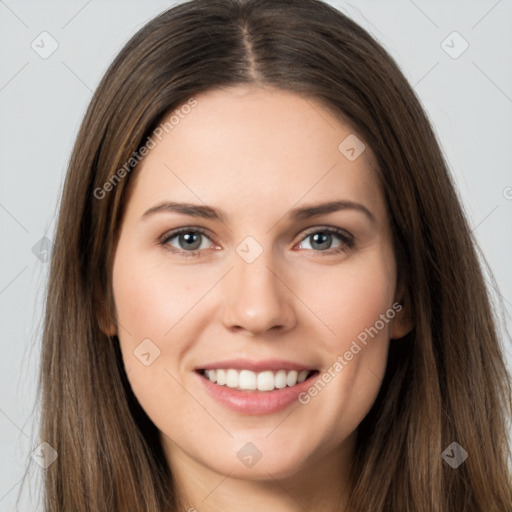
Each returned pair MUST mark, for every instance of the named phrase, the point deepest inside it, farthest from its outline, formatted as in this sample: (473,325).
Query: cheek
(150,300)
(351,299)
(151,306)
(146,308)
(356,302)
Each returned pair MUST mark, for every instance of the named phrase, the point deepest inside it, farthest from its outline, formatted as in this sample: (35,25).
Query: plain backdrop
(464,81)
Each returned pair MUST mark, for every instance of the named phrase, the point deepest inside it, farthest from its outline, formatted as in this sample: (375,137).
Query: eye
(321,240)
(189,240)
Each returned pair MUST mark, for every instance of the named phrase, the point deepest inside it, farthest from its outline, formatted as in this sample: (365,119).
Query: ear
(402,323)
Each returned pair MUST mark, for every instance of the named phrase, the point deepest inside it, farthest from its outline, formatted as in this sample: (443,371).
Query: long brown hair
(445,382)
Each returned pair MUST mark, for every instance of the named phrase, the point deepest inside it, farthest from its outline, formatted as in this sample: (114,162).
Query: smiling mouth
(247,380)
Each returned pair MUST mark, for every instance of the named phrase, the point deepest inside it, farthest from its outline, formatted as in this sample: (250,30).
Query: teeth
(266,381)
(247,380)
(291,378)
(221,377)
(232,379)
(303,375)
(280,379)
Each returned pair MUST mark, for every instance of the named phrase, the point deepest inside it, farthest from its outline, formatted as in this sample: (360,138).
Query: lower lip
(256,402)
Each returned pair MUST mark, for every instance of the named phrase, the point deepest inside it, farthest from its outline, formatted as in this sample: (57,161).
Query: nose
(257,298)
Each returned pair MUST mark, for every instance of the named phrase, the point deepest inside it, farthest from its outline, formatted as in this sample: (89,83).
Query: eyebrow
(296,214)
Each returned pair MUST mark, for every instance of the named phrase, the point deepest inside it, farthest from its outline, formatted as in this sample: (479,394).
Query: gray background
(42,101)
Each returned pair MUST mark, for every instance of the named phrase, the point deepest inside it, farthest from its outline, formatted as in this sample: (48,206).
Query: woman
(264,293)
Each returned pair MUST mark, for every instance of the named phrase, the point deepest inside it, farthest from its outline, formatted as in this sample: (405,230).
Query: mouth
(251,387)
(256,382)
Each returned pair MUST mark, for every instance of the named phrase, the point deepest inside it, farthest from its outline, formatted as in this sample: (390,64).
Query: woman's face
(265,287)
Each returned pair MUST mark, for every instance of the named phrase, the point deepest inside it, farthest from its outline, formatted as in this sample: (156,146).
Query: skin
(256,153)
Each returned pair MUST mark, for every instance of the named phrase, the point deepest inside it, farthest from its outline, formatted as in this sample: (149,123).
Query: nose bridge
(256,298)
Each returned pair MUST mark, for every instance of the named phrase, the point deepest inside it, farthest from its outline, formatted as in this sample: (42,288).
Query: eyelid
(168,235)
(346,237)
(330,229)
(174,232)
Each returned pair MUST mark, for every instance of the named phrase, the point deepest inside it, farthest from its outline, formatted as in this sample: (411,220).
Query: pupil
(190,239)
(324,240)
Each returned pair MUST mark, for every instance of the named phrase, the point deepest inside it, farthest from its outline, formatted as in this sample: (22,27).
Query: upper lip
(256,366)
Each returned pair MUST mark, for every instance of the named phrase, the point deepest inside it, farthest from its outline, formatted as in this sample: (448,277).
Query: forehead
(258,149)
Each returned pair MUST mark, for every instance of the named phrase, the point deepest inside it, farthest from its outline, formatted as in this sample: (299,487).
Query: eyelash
(348,240)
